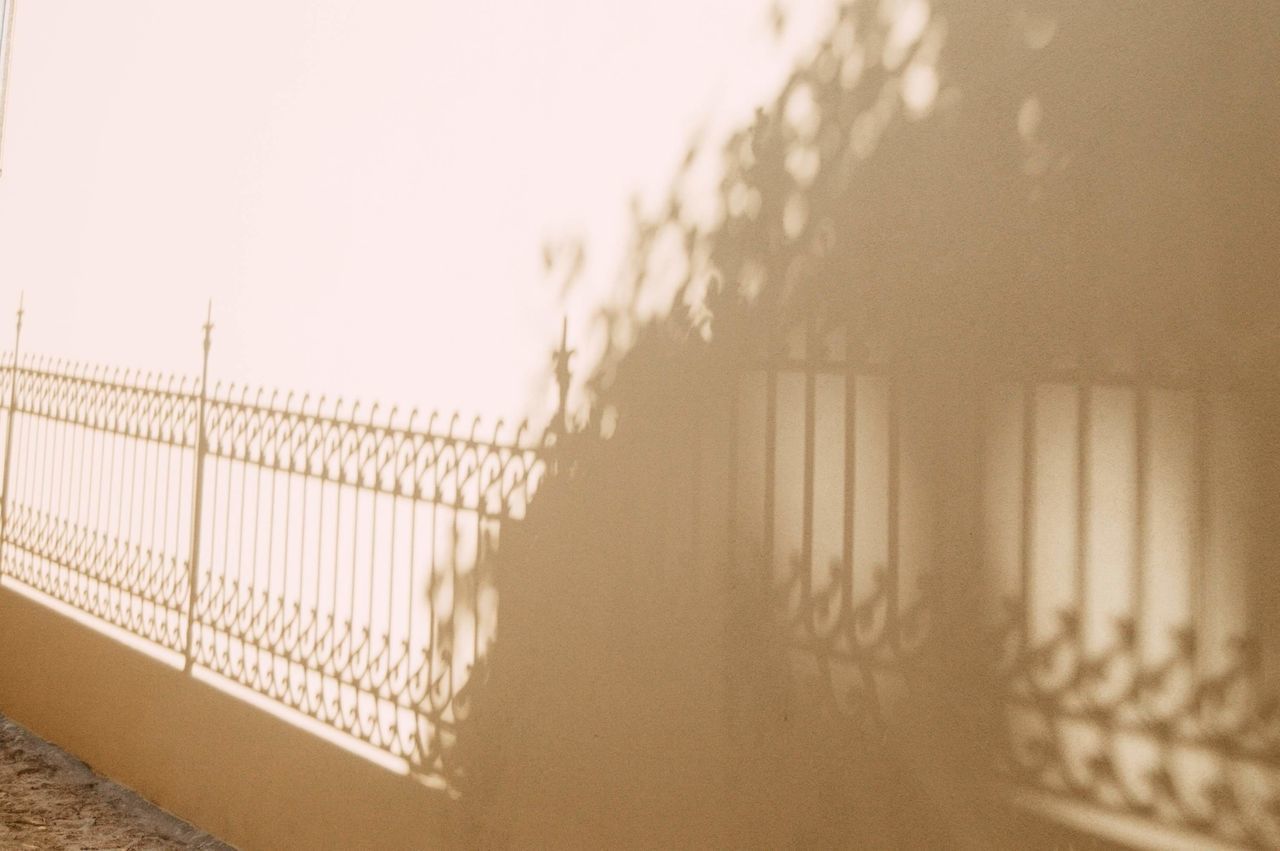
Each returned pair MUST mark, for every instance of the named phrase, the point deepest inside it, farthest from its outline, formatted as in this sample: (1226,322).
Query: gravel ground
(49,799)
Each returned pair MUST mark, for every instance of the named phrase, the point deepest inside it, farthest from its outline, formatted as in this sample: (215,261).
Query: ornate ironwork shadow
(334,558)
(1161,714)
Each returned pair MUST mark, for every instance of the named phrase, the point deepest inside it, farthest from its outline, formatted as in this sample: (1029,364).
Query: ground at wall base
(51,800)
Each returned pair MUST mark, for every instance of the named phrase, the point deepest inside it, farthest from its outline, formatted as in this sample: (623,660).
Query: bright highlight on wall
(363,189)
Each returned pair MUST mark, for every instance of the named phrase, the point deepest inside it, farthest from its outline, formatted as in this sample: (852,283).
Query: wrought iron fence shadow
(332,558)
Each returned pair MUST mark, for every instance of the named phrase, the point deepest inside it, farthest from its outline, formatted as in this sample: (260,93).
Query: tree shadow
(944,195)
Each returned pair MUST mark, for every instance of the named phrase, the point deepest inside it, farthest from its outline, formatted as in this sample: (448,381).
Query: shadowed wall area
(946,483)
(933,506)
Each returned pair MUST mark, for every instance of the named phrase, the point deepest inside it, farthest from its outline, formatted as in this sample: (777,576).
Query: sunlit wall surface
(368,192)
